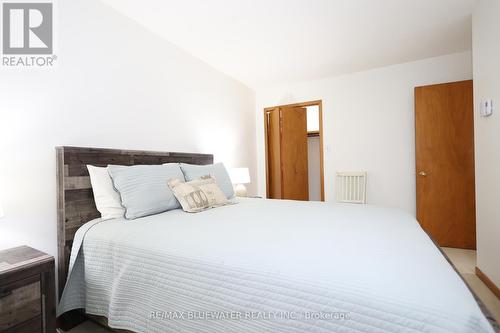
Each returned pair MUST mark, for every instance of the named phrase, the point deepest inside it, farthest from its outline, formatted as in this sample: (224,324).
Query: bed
(256,266)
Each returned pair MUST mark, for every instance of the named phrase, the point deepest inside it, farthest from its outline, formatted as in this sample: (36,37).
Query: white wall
(486,50)
(118,86)
(368,120)
(313,168)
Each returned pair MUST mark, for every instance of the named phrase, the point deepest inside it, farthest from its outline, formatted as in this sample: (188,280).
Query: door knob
(422,173)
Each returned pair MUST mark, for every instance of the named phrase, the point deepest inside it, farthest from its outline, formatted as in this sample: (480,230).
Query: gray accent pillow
(143,188)
(218,171)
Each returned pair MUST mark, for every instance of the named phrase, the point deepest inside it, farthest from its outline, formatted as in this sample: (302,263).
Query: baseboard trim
(486,280)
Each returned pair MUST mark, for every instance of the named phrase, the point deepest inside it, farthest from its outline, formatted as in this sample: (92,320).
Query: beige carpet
(464,260)
(89,327)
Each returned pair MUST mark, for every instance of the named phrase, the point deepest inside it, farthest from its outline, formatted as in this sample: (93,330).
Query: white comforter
(269,266)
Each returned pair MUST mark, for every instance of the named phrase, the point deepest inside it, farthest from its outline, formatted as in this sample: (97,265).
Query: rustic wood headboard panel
(75,200)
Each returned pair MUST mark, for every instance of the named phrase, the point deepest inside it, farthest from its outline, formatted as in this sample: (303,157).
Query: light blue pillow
(143,188)
(218,171)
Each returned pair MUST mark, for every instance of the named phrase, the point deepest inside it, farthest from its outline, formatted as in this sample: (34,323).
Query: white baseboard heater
(351,187)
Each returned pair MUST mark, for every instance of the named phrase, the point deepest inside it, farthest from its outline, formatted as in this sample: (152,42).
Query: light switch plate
(486,108)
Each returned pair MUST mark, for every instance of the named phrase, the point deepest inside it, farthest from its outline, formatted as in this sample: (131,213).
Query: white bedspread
(269,266)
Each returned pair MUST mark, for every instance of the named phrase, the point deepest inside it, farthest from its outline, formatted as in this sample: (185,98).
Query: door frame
(319,103)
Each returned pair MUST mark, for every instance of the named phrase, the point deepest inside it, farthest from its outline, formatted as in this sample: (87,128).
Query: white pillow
(107,199)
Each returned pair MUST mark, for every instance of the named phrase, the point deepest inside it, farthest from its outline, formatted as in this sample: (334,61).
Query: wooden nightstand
(27,291)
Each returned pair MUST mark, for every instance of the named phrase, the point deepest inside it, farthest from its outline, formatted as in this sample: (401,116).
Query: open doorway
(294,151)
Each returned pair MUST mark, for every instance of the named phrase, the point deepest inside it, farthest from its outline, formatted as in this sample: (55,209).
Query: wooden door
(445,163)
(273,141)
(294,159)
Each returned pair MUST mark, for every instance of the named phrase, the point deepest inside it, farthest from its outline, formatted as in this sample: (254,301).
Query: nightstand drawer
(21,303)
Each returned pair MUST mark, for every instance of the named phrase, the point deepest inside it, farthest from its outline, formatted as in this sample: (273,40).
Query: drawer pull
(4,294)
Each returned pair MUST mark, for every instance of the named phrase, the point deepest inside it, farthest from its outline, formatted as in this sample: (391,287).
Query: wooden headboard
(75,200)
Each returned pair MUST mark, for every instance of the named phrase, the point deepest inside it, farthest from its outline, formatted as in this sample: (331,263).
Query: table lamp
(239,177)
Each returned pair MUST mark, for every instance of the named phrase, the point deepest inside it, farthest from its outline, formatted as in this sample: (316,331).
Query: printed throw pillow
(199,194)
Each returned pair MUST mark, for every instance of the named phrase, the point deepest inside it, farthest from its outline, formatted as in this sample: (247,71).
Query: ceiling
(269,41)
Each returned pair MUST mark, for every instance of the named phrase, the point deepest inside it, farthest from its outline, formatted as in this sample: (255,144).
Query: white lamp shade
(240,175)
(1,211)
